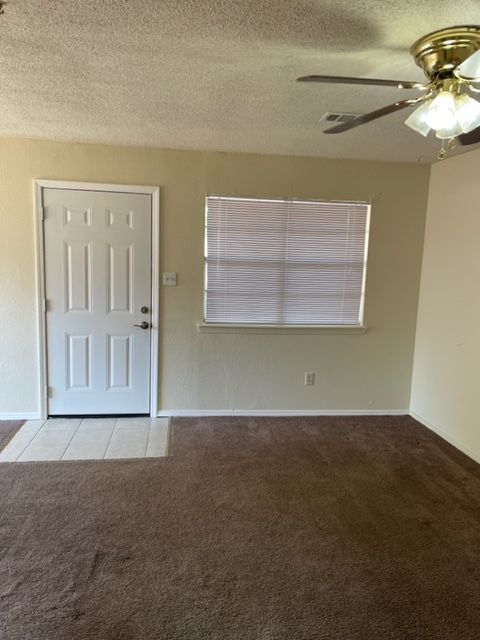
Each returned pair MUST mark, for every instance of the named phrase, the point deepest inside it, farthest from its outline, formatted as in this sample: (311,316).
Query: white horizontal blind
(287,262)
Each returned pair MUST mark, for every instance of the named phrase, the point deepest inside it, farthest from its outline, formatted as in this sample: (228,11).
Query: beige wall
(204,371)
(446,379)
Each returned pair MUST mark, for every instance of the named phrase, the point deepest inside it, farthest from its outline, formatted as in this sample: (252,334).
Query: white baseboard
(198,413)
(19,416)
(446,437)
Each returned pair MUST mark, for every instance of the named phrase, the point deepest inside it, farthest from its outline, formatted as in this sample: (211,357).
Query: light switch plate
(170,279)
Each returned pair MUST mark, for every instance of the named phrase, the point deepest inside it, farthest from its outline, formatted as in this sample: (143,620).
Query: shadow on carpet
(255,529)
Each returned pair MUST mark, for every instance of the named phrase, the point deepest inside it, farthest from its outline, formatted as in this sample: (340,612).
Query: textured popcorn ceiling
(215,74)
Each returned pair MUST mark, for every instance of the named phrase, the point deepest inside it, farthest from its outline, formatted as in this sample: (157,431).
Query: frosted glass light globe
(441,113)
(416,120)
(468,112)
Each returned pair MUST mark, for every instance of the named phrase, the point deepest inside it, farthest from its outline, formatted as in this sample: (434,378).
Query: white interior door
(97,248)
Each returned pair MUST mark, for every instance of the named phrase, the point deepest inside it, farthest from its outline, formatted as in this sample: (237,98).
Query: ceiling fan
(450,59)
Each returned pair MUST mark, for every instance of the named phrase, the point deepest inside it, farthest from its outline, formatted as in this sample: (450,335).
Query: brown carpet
(255,529)
(8,428)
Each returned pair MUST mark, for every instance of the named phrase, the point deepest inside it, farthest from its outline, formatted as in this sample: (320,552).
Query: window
(285,262)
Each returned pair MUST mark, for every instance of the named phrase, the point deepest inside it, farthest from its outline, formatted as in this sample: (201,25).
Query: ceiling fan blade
(472,137)
(469,69)
(372,115)
(399,84)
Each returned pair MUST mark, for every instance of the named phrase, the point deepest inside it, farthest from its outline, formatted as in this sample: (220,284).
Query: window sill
(279,329)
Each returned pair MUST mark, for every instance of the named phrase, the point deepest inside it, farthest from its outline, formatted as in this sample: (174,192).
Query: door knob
(142,325)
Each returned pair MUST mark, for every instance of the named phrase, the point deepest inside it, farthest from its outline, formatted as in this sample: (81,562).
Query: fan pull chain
(451,145)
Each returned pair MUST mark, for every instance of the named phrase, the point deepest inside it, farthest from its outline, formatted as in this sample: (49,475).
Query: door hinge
(42,213)
(47,395)
(45,305)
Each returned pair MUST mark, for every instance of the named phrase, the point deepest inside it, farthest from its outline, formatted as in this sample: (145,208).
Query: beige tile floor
(88,439)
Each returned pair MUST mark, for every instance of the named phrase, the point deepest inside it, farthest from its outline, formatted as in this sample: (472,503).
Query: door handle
(142,325)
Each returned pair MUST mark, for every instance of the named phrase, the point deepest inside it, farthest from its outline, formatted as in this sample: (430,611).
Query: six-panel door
(98,287)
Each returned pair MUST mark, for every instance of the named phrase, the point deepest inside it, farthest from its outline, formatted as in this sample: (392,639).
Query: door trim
(154,193)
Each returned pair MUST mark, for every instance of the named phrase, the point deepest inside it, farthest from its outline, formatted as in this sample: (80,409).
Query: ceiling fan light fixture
(450,59)
(441,112)
(416,120)
(468,112)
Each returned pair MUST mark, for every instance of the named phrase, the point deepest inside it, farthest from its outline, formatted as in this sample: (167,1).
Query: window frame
(266,328)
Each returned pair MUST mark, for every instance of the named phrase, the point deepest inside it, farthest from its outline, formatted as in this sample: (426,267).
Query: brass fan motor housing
(439,52)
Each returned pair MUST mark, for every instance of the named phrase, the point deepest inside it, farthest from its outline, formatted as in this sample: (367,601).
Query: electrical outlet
(309,378)
(170,279)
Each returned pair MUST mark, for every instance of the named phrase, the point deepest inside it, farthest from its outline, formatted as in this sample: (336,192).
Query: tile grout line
(28,444)
(166,442)
(127,443)
(148,437)
(70,441)
(66,446)
(110,439)
(165,448)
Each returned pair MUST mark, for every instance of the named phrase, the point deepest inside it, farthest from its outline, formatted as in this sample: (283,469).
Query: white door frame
(154,192)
